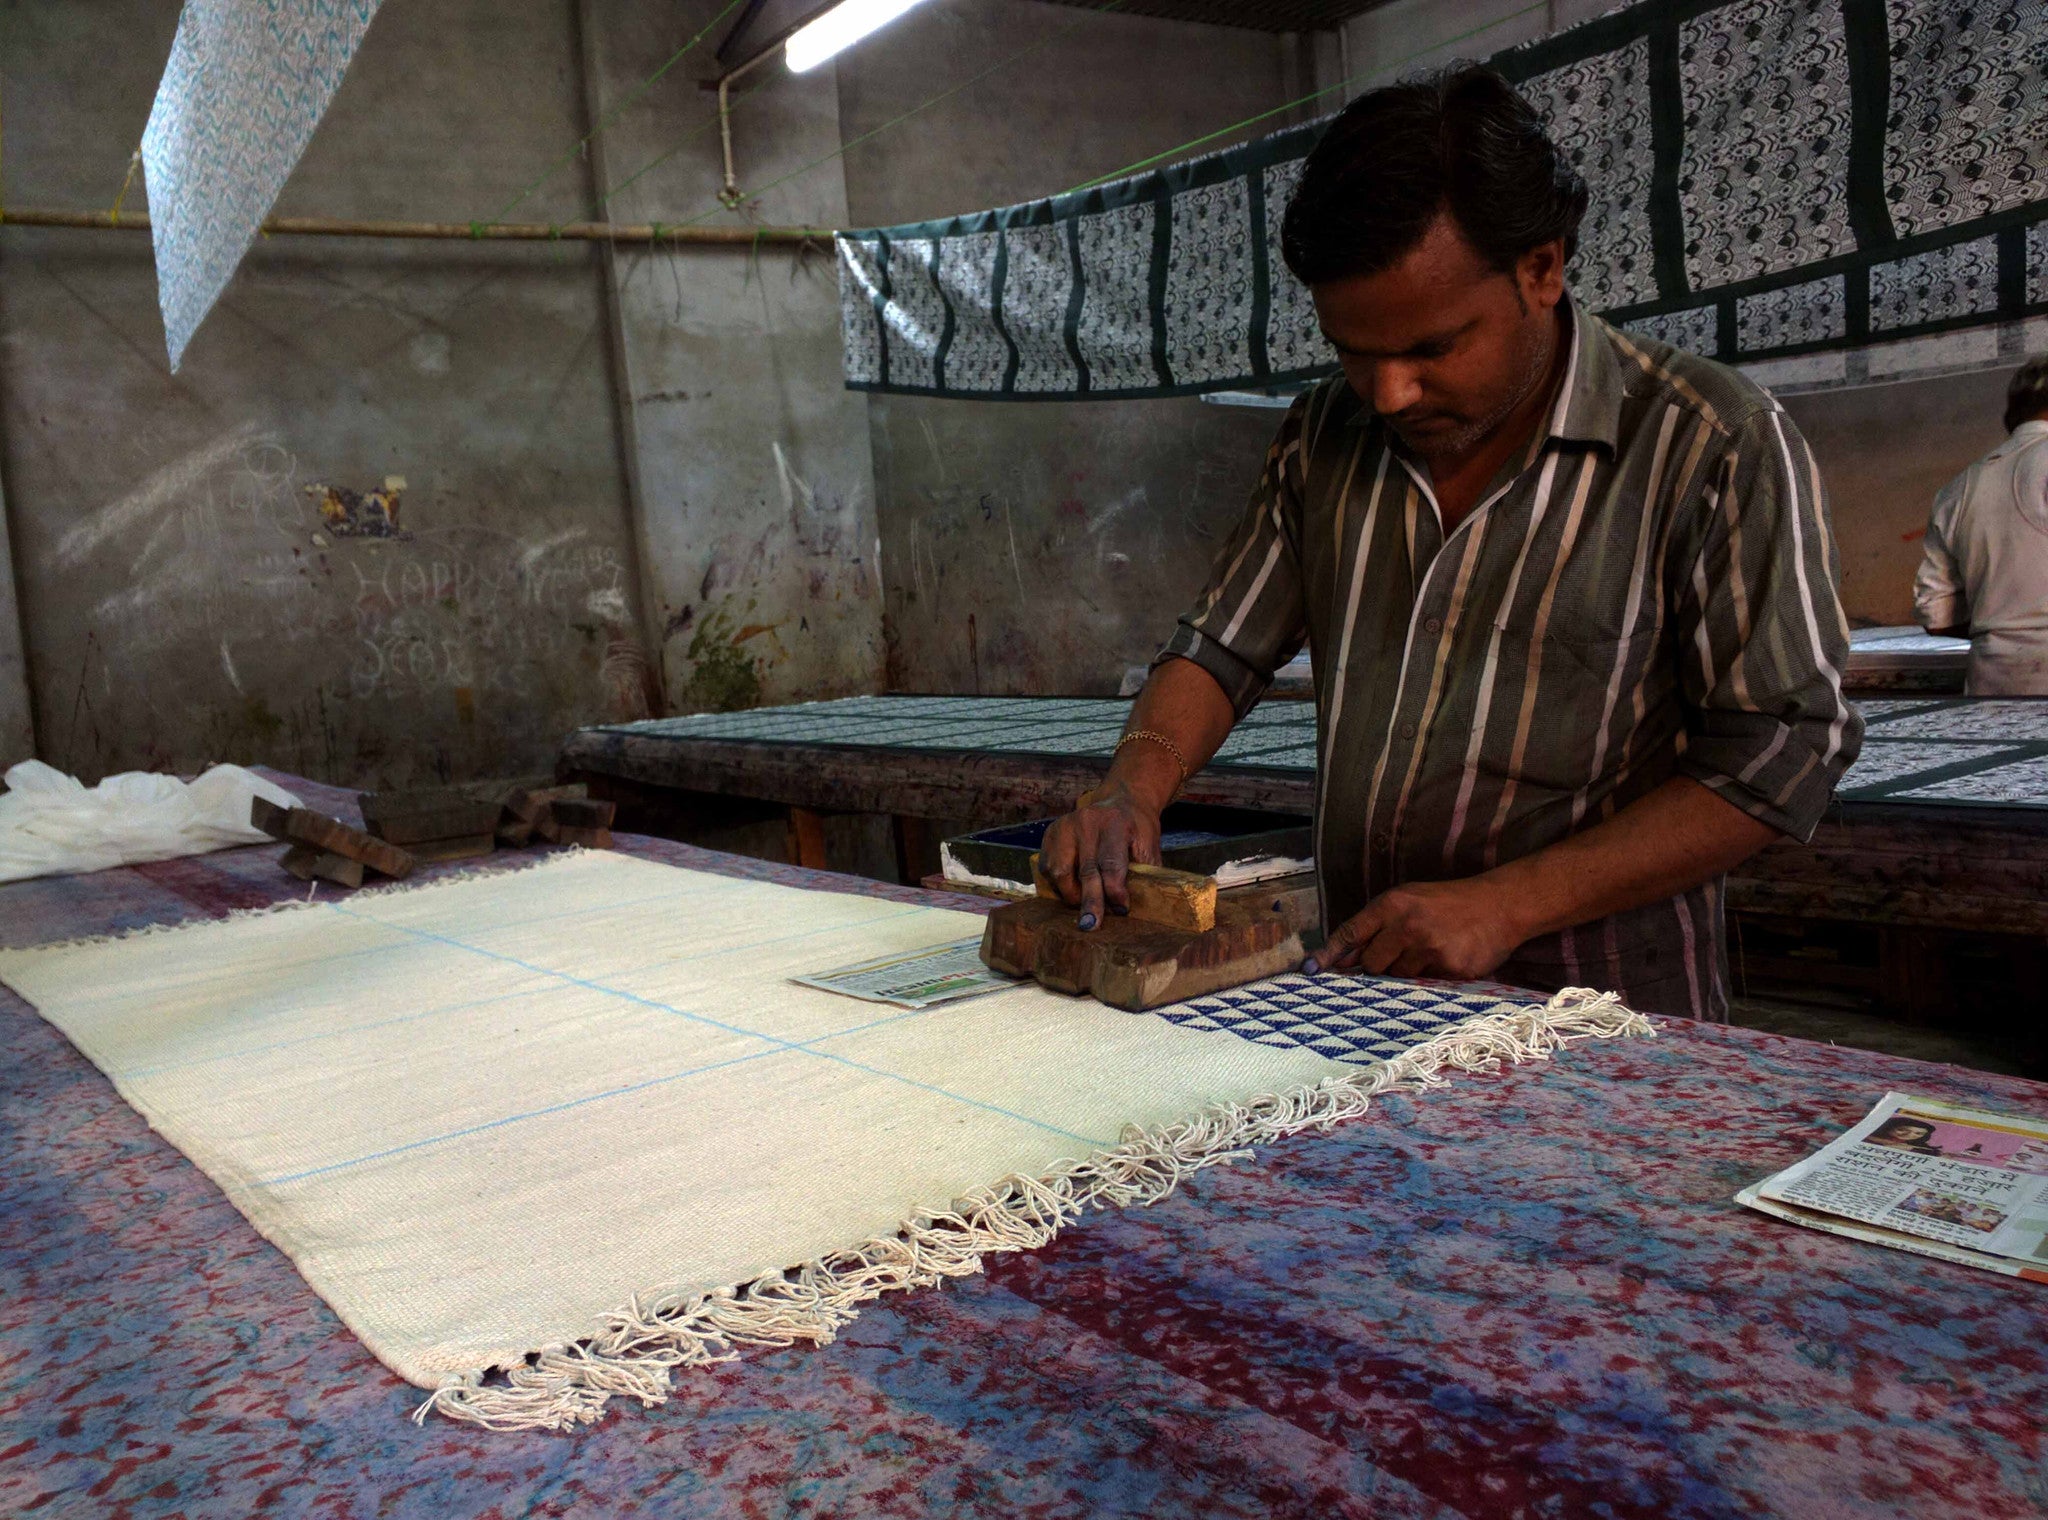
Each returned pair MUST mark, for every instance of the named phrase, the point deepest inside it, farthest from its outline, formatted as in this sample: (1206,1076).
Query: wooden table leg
(807,839)
(913,841)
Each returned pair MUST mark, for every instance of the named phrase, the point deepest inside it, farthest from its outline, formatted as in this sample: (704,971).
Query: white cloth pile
(51,823)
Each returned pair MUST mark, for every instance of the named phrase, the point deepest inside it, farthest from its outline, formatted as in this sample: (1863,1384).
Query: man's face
(1441,345)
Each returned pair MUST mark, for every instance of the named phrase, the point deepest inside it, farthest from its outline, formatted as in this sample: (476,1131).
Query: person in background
(1984,576)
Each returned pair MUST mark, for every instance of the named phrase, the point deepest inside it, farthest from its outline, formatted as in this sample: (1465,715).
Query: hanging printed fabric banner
(247,82)
(1769,178)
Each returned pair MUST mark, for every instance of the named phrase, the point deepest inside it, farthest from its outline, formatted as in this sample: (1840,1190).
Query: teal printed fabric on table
(1769,178)
(1950,751)
(247,82)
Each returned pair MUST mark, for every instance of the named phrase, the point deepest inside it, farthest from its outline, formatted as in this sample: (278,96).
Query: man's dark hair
(2027,397)
(1460,140)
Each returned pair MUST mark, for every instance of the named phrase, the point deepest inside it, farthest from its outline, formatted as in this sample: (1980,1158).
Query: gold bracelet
(1164,743)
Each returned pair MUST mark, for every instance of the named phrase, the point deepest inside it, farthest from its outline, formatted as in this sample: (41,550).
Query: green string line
(1342,84)
(614,114)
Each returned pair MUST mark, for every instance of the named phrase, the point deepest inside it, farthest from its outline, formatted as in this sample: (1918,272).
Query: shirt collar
(2031,429)
(1588,404)
(1588,408)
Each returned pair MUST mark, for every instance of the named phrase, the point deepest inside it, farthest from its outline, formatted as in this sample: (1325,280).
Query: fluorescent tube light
(838,29)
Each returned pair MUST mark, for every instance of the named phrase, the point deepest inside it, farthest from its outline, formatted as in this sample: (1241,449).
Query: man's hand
(1456,929)
(1665,842)
(1087,854)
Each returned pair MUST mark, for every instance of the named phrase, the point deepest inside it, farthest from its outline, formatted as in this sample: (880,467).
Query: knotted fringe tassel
(564,1386)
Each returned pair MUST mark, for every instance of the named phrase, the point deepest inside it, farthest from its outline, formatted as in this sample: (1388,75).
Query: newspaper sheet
(1958,1183)
(920,979)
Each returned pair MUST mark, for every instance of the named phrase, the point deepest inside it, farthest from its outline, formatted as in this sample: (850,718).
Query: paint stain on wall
(724,676)
(360,514)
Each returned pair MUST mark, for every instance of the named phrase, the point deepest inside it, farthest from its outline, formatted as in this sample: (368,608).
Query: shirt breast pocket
(1571,680)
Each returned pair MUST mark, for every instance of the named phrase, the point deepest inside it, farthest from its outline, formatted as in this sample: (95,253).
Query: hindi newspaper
(920,979)
(1920,1175)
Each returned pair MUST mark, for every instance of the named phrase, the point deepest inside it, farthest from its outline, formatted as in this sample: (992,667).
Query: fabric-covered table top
(1932,750)
(1527,1294)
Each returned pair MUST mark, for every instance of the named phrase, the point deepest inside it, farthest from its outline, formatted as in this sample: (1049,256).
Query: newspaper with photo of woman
(1957,1183)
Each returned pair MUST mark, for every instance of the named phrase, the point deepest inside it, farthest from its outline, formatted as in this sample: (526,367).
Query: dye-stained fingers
(1342,950)
(1058,854)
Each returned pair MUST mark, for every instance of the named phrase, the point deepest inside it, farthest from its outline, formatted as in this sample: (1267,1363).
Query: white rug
(575,1123)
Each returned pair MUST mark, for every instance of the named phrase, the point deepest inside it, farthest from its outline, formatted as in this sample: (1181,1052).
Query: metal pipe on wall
(532,232)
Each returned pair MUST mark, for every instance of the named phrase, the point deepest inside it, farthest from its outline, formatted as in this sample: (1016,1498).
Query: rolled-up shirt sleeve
(1762,637)
(1939,597)
(1250,618)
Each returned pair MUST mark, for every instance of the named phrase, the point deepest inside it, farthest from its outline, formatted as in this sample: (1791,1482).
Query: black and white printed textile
(1769,178)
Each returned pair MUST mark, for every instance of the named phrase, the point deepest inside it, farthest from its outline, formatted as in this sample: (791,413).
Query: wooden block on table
(460,820)
(515,832)
(589,839)
(529,804)
(582,813)
(378,806)
(466,848)
(1129,962)
(269,817)
(308,863)
(568,815)
(304,826)
(1172,899)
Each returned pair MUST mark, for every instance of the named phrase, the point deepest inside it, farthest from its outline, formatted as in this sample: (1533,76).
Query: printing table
(1525,1294)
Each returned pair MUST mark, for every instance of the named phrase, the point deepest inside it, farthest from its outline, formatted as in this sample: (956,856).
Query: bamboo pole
(530,232)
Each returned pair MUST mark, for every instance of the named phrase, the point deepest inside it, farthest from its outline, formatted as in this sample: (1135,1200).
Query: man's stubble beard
(1536,362)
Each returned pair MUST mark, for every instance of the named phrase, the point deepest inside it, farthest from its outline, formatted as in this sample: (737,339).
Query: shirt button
(1407,730)
(1381,841)
(1434,625)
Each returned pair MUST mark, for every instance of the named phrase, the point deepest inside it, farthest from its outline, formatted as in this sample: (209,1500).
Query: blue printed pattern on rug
(1361,1019)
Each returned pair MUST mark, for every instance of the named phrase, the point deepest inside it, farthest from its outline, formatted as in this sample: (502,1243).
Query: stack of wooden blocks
(404,829)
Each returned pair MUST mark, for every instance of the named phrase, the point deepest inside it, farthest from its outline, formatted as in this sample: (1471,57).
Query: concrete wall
(755,479)
(1884,450)
(1044,546)
(183,599)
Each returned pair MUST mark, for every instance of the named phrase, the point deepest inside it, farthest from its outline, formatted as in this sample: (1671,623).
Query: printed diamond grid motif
(1358,1019)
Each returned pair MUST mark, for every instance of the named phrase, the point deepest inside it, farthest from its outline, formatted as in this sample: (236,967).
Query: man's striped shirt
(1650,591)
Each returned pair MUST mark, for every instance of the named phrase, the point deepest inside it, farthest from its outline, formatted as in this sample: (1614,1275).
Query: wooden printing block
(1175,899)
(308,863)
(1129,962)
(1181,939)
(589,839)
(444,821)
(567,816)
(466,848)
(529,804)
(304,826)
(378,806)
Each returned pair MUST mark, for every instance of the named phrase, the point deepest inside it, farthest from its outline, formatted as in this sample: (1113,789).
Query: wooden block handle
(1175,899)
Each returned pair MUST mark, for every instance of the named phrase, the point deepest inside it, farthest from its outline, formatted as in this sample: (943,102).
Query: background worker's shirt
(1649,592)
(1986,564)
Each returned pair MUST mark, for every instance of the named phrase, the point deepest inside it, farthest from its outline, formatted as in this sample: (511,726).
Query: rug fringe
(565,1386)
